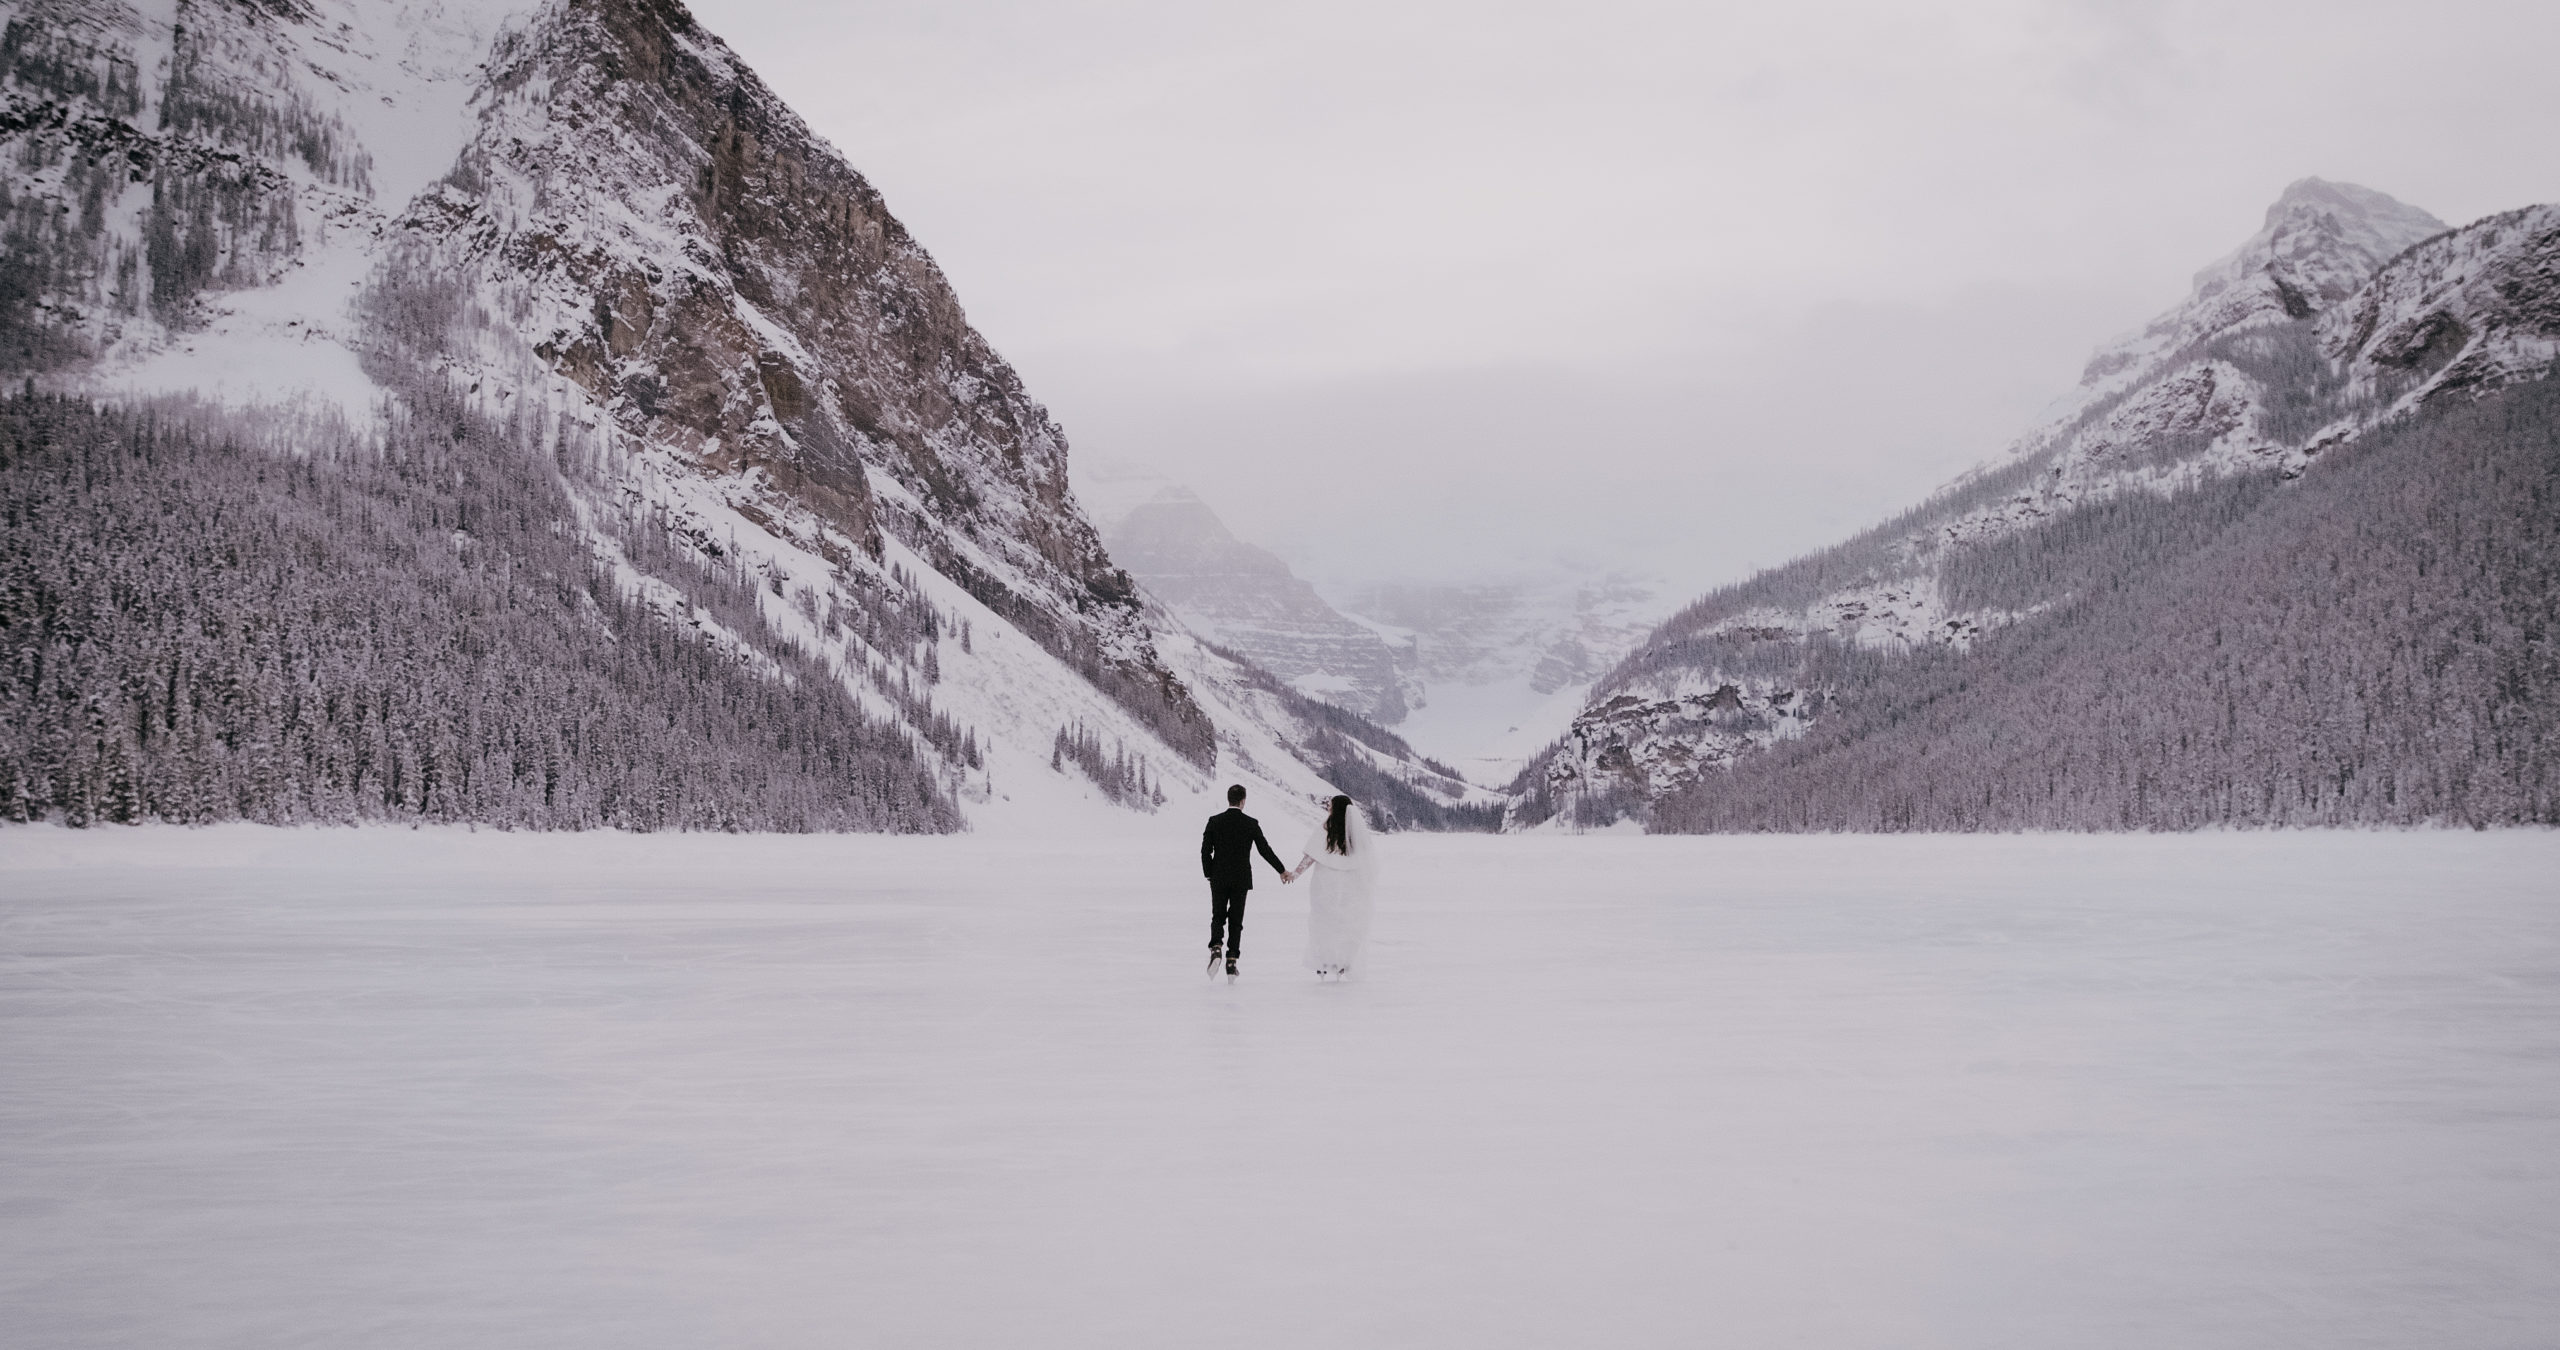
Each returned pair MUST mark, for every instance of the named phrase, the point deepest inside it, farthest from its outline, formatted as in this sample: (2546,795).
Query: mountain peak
(2320,241)
(2310,195)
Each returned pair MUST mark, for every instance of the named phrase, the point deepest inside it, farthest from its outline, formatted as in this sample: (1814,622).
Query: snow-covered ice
(385,1088)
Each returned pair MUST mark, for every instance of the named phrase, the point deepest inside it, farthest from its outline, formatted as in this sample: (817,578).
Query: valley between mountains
(483,411)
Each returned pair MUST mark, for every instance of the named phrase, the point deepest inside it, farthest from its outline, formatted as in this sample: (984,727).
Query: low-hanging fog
(1424,289)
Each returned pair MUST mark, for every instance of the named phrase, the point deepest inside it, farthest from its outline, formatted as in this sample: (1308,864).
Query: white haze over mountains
(1479,673)
(1693,287)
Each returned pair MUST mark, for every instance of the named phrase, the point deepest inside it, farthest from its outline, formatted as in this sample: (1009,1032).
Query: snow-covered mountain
(1499,666)
(2321,242)
(1479,674)
(582,231)
(1246,599)
(2347,315)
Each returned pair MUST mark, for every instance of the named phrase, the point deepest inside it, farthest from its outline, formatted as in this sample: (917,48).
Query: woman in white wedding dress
(1345,860)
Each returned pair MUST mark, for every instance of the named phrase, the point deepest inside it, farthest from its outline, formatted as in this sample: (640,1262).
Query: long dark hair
(1337,827)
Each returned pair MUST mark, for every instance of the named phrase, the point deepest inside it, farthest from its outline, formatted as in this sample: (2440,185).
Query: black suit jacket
(1226,849)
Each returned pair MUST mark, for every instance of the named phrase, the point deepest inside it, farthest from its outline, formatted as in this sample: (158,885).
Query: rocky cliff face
(2467,309)
(587,234)
(678,246)
(2346,311)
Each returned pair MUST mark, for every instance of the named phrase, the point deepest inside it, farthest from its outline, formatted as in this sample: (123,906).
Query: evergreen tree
(194,627)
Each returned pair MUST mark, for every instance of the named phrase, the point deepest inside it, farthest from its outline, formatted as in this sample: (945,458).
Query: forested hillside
(2212,587)
(1397,787)
(512,411)
(195,627)
(2374,643)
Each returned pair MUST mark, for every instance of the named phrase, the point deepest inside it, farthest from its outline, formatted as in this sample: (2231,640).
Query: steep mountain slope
(584,236)
(2372,644)
(2321,242)
(719,283)
(2347,313)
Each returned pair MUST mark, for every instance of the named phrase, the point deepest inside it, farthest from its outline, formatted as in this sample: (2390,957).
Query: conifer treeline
(220,214)
(1122,776)
(2377,642)
(1333,744)
(197,629)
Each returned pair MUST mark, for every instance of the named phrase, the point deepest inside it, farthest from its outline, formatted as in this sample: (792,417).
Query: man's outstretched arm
(1267,855)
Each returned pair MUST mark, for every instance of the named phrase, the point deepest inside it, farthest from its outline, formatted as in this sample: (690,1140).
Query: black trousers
(1226,912)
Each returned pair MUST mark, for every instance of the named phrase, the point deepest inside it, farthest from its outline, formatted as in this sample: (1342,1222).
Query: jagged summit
(2321,241)
(2316,196)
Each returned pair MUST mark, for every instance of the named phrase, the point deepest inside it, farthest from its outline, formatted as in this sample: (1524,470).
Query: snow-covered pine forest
(2371,645)
(196,628)
(511,412)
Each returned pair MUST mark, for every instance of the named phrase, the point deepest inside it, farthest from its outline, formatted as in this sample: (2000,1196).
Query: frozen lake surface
(389,1089)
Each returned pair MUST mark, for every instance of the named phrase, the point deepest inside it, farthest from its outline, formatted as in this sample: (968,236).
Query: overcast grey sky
(1694,285)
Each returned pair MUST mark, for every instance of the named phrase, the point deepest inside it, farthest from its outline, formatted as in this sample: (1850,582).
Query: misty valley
(646,369)
(582,762)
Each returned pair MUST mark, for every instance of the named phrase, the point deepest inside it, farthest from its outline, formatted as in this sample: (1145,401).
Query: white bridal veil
(1344,887)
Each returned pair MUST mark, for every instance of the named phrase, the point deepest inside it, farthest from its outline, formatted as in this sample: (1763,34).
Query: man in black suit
(1226,859)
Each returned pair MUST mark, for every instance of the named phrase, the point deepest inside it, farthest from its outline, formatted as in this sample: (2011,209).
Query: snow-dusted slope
(200,187)
(2320,243)
(2215,384)
(589,221)
(2470,308)
(640,223)
(2347,308)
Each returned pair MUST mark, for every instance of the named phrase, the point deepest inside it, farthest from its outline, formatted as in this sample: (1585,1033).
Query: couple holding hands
(1344,861)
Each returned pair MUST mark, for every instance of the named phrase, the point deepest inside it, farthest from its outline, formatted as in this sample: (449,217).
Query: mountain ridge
(2272,363)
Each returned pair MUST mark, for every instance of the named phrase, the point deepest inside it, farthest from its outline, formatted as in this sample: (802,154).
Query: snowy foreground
(442,1089)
